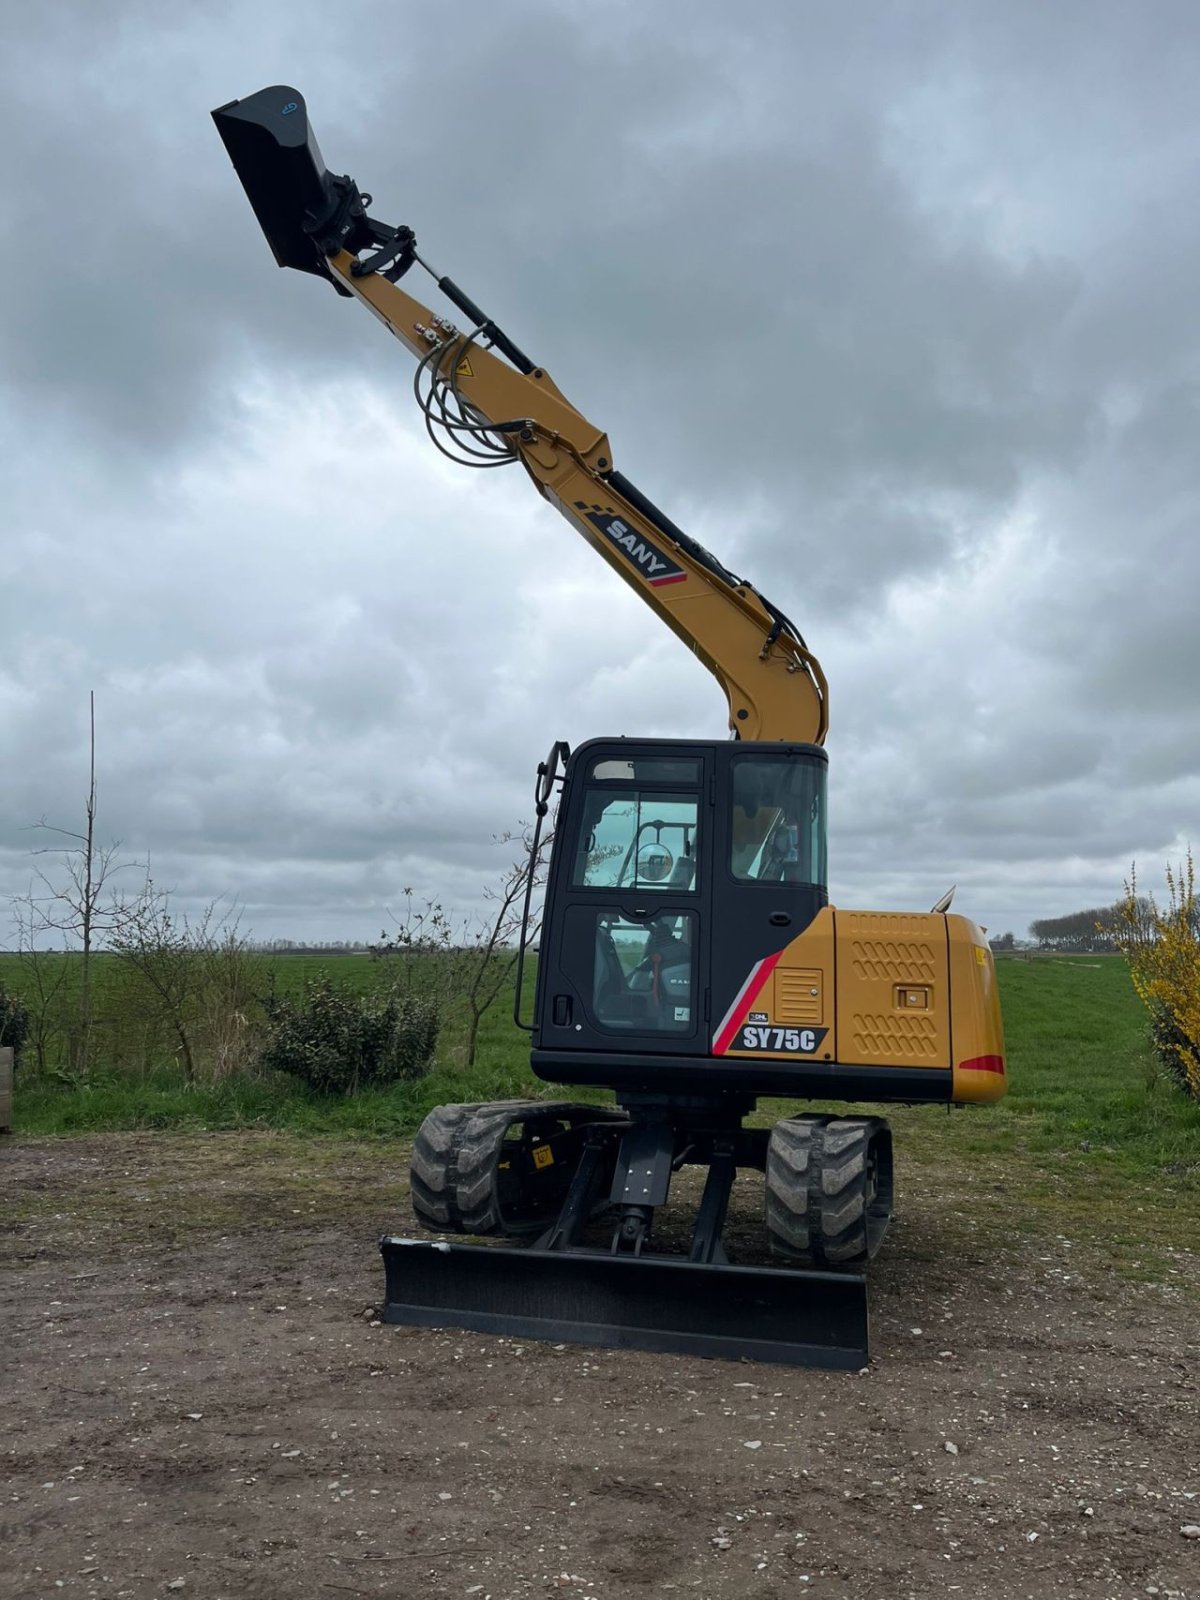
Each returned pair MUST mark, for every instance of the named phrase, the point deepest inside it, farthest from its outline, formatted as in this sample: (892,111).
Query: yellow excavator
(688,959)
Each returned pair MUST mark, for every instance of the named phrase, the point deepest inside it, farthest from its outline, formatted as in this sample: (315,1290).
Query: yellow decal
(464,369)
(980,955)
(543,1156)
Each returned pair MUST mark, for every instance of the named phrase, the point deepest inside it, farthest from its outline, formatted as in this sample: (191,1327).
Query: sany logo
(658,568)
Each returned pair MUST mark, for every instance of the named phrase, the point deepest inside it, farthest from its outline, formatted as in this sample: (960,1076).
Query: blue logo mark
(289,108)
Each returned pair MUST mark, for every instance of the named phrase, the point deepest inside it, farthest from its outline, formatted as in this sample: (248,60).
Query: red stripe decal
(750,992)
(982,1064)
(675,577)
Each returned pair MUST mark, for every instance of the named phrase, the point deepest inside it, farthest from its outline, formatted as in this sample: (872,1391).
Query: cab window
(637,838)
(644,972)
(778,820)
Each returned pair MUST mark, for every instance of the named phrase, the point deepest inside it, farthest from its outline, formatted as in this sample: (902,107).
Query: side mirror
(547,772)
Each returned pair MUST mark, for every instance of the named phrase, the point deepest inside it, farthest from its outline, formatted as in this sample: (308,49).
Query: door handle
(779,919)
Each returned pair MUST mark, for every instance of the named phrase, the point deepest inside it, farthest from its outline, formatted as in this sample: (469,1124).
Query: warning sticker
(464,369)
(543,1156)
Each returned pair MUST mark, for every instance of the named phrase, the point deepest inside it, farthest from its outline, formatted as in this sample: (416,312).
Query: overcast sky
(893,305)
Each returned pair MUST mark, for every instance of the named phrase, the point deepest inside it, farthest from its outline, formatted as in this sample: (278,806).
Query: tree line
(1092,931)
(1102,930)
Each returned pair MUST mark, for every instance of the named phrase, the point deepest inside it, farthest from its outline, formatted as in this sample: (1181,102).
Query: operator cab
(657,844)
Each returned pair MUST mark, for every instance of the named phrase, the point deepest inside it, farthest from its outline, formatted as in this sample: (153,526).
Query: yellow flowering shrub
(1162,947)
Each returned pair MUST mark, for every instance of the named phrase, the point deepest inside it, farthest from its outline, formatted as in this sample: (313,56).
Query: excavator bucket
(275,155)
(791,1318)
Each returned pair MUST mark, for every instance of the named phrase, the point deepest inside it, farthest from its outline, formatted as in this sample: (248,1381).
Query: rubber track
(818,1209)
(455,1155)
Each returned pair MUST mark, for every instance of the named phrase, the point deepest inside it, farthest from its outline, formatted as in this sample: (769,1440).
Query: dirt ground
(197,1400)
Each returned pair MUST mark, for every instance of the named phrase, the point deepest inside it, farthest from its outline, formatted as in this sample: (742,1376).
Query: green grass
(158,1097)
(161,1100)
(1083,1081)
(1092,1143)
(356,971)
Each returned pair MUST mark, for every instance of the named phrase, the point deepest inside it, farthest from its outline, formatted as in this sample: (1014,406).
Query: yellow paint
(894,989)
(978,1029)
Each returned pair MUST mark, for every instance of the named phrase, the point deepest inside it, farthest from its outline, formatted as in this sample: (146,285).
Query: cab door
(769,880)
(624,953)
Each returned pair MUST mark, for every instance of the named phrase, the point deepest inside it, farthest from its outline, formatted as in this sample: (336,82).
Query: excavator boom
(487,404)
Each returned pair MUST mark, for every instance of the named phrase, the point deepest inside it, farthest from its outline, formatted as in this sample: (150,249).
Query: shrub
(189,986)
(1179,1054)
(338,1042)
(14,1022)
(1162,948)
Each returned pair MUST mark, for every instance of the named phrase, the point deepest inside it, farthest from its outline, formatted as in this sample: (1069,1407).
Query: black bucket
(792,1318)
(276,156)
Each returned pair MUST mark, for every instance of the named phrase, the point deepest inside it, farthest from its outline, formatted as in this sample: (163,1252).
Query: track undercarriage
(582,1187)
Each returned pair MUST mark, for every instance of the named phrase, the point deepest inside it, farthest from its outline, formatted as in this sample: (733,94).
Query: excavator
(688,958)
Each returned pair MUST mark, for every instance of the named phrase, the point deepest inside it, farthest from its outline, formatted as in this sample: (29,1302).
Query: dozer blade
(275,155)
(792,1318)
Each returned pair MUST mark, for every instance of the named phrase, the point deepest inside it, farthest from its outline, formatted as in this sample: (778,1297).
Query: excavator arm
(486,404)
(690,986)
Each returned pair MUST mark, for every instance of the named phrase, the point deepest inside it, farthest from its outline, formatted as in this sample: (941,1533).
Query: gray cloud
(894,309)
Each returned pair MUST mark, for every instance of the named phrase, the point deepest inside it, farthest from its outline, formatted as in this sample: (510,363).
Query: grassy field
(1083,1077)
(1083,1080)
(157,1097)
(1092,1143)
(356,971)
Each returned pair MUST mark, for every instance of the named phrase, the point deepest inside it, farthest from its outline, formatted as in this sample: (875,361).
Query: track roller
(499,1168)
(829,1189)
